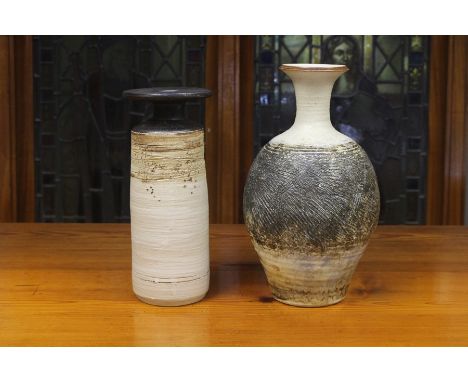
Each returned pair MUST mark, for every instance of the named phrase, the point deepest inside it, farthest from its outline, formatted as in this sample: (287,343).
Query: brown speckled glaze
(310,207)
(167,155)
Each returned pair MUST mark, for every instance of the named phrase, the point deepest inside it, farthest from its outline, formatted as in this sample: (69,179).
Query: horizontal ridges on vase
(170,240)
(167,155)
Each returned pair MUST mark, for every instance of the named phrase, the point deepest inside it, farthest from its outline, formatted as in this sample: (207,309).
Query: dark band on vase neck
(168,111)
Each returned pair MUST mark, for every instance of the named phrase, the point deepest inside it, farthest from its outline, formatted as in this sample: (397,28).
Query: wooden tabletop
(70,285)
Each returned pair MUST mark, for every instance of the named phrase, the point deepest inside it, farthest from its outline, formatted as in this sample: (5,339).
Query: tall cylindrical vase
(311,200)
(169,201)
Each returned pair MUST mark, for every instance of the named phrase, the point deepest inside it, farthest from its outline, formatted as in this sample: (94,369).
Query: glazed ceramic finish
(169,205)
(167,94)
(312,126)
(311,200)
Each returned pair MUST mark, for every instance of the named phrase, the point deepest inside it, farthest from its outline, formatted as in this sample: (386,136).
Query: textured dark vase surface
(311,199)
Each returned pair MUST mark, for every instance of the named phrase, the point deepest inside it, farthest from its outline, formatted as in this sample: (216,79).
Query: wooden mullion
(455,132)
(436,130)
(24,127)
(211,125)
(447,130)
(17,129)
(223,124)
(7,135)
(247,104)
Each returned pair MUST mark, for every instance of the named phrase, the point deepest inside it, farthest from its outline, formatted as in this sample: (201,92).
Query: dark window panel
(412,207)
(416,58)
(82,123)
(413,167)
(47,75)
(194,75)
(47,115)
(414,143)
(48,198)
(392,210)
(415,75)
(194,55)
(386,112)
(47,55)
(266,79)
(414,125)
(414,98)
(48,178)
(48,140)
(412,184)
(47,156)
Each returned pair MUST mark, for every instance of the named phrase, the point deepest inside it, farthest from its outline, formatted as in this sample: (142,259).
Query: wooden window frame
(17,188)
(448,125)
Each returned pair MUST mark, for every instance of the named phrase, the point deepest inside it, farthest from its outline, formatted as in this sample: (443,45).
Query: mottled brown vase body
(311,200)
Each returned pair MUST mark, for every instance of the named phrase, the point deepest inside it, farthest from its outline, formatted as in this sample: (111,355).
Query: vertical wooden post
(7,141)
(211,126)
(454,190)
(16,129)
(228,128)
(447,130)
(436,129)
(229,123)
(247,110)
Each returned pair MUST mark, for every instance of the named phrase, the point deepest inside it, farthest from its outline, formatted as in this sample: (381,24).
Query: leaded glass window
(381,103)
(82,123)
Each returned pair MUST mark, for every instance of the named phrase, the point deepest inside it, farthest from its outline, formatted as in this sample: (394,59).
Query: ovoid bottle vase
(311,200)
(169,201)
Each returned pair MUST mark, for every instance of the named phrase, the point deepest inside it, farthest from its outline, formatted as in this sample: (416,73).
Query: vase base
(159,302)
(302,304)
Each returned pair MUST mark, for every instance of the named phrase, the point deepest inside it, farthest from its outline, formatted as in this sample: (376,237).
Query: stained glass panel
(82,123)
(381,103)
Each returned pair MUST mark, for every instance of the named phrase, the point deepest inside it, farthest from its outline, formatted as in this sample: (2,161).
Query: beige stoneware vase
(169,201)
(311,200)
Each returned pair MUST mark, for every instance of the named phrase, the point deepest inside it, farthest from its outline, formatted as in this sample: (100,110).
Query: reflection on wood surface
(70,284)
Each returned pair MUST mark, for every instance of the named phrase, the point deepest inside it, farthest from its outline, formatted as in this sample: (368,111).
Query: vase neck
(168,111)
(313,93)
(312,124)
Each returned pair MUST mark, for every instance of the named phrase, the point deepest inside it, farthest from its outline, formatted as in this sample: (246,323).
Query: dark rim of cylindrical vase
(166,93)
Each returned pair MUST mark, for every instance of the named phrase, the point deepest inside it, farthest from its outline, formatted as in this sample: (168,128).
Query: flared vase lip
(313,68)
(166,93)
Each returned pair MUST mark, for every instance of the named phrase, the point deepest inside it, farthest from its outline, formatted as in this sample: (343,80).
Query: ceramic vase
(169,201)
(311,200)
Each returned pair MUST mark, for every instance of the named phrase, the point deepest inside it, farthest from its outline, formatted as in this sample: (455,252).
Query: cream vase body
(169,204)
(311,200)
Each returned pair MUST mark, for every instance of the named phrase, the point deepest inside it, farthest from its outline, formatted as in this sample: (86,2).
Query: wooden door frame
(229,123)
(448,126)
(17,189)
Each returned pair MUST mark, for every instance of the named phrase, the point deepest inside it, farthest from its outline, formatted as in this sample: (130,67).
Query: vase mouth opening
(314,68)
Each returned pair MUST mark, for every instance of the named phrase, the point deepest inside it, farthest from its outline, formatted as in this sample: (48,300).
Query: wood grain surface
(8,211)
(457,99)
(16,129)
(223,126)
(70,285)
(447,126)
